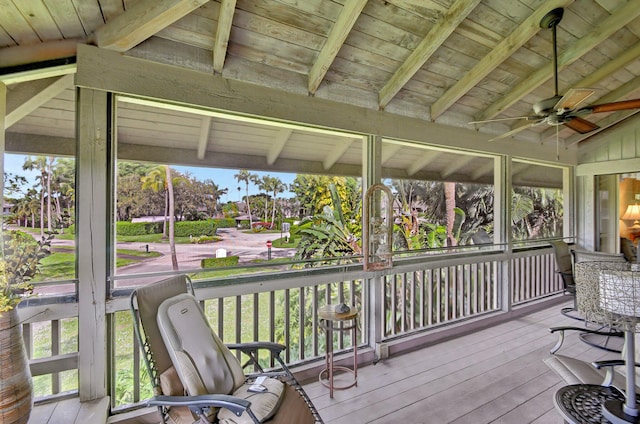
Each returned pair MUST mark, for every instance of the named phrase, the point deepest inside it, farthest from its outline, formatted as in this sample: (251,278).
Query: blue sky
(222,177)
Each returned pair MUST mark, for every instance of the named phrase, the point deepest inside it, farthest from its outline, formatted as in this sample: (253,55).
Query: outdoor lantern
(377,234)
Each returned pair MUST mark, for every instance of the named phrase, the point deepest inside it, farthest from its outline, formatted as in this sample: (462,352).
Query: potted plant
(21,255)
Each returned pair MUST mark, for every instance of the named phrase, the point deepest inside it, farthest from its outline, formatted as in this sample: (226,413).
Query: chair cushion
(264,405)
(170,383)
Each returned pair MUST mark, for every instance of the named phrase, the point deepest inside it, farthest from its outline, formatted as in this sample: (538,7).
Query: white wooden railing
(418,294)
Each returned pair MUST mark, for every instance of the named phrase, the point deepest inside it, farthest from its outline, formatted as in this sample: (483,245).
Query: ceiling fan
(563,110)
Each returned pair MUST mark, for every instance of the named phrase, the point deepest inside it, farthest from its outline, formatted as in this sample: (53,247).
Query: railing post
(375,318)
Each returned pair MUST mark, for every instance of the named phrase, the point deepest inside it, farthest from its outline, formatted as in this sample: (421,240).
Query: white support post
(371,174)
(502,225)
(92,219)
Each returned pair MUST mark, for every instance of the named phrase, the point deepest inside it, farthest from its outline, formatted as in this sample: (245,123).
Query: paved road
(248,246)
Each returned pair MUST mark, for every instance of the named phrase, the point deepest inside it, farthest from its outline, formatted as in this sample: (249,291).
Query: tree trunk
(450,203)
(172,219)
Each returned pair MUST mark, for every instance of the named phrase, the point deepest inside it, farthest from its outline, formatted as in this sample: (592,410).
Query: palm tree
(172,219)
(41,164)
(156,180)
(245,176)
(216,192)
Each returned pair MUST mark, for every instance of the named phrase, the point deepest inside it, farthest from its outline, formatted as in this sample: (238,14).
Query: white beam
(425,159)
(26,98)
(279,141)
(350,12)
(482,170)
(459,164)
(434,39)
(203,139)
(225,20)
(141,20)
(341,147)
(388,150)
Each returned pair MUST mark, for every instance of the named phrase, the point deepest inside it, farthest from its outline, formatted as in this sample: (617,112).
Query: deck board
(495,375)
(491,376)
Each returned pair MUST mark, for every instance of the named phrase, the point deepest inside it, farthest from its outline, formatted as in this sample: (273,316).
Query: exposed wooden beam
(482,170)
(225,20)
(388,150)
(26,98)
(350,12)
(459,164)
(40,52)
(425,159)
(279,141)
(336,153)
(527,29)
(434,39)
(140,21)
(621,17)
(203,139)
(202,92)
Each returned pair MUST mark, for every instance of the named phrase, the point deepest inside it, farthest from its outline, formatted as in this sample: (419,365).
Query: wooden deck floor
(491,376)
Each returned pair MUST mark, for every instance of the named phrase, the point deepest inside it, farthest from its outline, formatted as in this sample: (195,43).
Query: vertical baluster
(301,322)
(287,323)
(272,321)
(55,350)
(314,319)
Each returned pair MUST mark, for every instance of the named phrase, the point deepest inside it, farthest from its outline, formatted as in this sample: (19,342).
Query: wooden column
(92,222)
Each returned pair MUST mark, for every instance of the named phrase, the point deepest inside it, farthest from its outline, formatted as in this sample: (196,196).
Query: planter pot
(16,388)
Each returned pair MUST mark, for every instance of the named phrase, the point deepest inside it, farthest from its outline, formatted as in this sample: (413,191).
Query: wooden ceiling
(443,61)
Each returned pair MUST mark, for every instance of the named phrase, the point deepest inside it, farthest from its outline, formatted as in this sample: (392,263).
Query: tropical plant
(21,256)
(329,234)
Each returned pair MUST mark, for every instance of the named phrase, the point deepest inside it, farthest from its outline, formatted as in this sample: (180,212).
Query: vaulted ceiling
(448,62)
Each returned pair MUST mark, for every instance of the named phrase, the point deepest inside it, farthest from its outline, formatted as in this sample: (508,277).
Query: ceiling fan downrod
(551,20)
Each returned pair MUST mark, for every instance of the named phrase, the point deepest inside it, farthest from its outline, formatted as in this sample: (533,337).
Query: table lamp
(633,213)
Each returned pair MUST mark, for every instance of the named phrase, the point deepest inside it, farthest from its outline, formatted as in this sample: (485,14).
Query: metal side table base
(613,410)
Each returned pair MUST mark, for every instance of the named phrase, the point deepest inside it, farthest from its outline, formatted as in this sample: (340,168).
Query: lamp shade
(632,212)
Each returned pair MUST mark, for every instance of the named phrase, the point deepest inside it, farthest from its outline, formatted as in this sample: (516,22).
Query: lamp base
(613,410)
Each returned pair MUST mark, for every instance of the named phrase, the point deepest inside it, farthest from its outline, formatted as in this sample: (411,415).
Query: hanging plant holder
(377,243)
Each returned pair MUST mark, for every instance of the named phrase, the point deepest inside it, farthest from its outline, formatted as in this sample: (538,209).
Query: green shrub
(224,222)
(126,228)
(195,228)
(244,224)
(71,229)
(203,239)
(219,262)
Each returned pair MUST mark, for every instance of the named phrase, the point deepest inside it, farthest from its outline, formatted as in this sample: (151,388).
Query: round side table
(332,321)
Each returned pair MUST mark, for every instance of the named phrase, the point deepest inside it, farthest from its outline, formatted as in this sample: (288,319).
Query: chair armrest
(275,348)
(199,403)
(561,330)
(609,364)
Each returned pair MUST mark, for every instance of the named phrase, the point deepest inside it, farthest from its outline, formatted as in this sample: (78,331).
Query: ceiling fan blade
(614,106)
(516,130)
(503,119)
(573,98)
(581,125)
